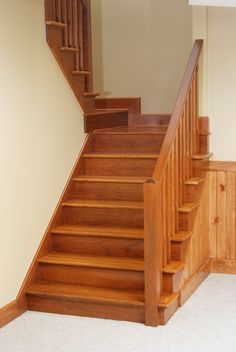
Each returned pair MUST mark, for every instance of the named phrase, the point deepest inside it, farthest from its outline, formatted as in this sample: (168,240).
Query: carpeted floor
(207,322)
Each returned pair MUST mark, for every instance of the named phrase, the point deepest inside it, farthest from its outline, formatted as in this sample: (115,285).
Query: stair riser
(84,309)
(204,144)
(119,167)
(112,217)
(199,167)
(99,246)
(186,220)
(148,119)
(105,121)
(166,314)
(179,250)
(193,193)
(98,277)
(133,143)
(172,282)
(107,190)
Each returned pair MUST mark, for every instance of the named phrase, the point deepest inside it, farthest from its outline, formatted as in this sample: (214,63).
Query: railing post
(50,10)
(152,251)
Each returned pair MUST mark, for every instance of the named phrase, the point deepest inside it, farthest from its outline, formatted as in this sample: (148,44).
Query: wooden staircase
(94,265)
(118,243)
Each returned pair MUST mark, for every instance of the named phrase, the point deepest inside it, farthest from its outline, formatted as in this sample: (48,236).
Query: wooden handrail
(164,193)
(178,108)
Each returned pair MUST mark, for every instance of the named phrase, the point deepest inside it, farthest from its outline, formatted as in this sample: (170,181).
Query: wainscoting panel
(222,216)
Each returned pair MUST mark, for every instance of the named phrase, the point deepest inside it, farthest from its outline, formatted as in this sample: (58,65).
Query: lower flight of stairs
(94,263)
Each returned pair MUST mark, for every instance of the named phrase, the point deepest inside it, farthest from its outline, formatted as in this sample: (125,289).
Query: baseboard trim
(223,266)
(229,166)
(10,312)
(194,282)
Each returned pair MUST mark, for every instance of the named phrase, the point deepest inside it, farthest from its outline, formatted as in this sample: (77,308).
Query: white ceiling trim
(226,3)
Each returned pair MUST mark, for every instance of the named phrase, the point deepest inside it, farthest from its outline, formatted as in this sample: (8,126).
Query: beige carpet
(207,322)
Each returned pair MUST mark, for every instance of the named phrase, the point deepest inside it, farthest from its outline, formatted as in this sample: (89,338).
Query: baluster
(183,146)
(172,192)
(176,163)
(197,105)
(81,37)
(180,168)
(70,23)
(58,10)
(65,20)
(164,220)
(75,32)
(188,160)
(168,209)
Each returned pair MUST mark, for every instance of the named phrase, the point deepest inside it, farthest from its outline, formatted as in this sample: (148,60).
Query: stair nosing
(83,298)
(121,156)
(93,264)
(101,204)
(96,233)
(110,179)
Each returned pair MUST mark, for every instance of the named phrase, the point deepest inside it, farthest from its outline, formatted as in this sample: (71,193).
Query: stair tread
(167,299)
(121,156)
(79,72)
(173,267)
(106,112)
(106,231)
(56,24)
(87,293)
(110,262)
(135,129)
(94,294)
(90,94)
(195,180)
(100,203)
(68,48)
(188,207)
(181,236)
(110,179)
(202,156)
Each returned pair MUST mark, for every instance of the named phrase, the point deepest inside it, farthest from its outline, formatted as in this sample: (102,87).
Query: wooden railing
(164,192)
(75,15)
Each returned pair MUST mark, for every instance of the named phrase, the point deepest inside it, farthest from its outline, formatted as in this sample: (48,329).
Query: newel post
(152,250)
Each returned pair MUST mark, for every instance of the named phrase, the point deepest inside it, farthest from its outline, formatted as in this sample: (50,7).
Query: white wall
(220,77)
(145,47)
(41,133)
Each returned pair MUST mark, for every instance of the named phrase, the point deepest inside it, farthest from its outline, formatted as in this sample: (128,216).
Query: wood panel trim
(10,312)
(194,282)
(228,166)
(223,266)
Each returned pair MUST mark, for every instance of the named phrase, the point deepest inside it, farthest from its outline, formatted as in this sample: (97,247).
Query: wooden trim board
(223,266)
(10,312)
(194,282)
(229,166)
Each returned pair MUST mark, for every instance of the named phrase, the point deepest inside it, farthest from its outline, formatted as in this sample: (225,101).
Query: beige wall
(219,76)
(41,132)
(145,46)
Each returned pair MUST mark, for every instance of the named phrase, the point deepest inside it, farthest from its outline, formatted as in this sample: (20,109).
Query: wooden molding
(223,266)
(10,312)
(194,282)
(229,166)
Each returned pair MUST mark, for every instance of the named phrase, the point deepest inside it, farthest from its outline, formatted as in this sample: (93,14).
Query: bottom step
(86,301)
(95,302)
